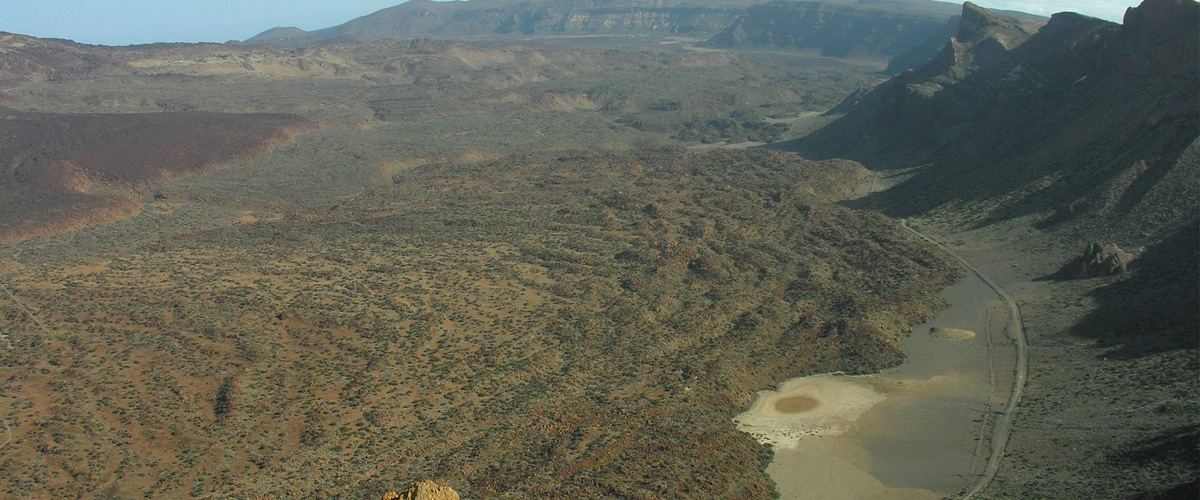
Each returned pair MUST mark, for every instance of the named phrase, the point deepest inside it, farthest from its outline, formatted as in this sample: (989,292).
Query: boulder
(424,490)
(1098,260)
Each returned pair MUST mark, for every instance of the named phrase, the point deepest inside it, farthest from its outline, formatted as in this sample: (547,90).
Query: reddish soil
(54,159)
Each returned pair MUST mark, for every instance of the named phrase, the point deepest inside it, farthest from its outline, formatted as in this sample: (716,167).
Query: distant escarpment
(876,29)
(836,28)
(909,33)
(1084,124)
(423,18)
(62,172)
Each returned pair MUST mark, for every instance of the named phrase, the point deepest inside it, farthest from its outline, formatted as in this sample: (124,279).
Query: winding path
(1002,430)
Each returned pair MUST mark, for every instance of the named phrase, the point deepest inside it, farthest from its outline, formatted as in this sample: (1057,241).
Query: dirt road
(1002,430)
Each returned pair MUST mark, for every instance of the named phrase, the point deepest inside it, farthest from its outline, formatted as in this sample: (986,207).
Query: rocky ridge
(1083,123)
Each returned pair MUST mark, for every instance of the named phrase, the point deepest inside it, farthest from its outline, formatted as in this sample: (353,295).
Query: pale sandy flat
(820,405)
(907,433)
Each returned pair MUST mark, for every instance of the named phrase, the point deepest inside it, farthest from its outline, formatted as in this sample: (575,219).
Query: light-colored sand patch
(821,405)
(951,334)
(908,432)
(246,218)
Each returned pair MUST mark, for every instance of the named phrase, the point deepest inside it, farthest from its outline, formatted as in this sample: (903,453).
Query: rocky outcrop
(1098,260)
(424,490)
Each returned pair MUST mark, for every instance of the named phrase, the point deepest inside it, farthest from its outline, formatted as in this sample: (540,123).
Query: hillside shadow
(1155,309)
(1180,445)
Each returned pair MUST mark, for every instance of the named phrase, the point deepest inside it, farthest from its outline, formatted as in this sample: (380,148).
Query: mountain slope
(1085,122)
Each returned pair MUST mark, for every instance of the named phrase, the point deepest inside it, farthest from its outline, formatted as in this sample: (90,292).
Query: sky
(125,22)
(1112,10)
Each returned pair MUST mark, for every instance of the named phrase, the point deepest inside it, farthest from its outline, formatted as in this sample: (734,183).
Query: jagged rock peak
(424,490)
(978,23)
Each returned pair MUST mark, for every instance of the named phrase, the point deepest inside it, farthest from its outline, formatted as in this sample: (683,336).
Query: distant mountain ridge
(424,18)
(838,28)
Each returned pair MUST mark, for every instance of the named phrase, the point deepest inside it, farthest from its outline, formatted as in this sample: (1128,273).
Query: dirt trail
(26,309)
(1016,331)
(7,429)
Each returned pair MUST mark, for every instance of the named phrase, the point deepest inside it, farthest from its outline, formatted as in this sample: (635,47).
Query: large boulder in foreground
(424,490)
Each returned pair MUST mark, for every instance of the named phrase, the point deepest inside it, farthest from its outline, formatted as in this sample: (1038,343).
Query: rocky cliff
(857,30)
(1083,123)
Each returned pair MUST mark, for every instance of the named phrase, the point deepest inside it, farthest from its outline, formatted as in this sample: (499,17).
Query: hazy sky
(123,22)
(1113,10)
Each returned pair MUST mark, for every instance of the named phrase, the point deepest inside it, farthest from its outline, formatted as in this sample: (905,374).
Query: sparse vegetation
(516,326)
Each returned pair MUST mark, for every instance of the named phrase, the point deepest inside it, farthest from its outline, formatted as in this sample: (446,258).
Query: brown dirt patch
(795,404)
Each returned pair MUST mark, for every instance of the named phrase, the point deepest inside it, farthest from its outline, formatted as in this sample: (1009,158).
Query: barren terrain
(557,268)
(523,325)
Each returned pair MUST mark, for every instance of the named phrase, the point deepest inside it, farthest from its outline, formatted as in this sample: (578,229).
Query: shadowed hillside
(1085,122)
